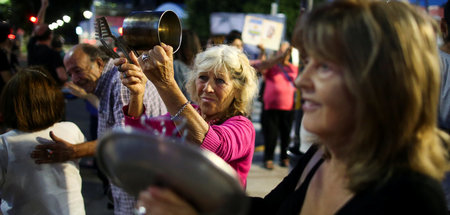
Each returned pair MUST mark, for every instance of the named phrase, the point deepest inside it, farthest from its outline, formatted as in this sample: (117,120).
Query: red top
(279,91)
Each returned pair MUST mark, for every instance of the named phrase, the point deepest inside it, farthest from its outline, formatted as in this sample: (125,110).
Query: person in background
(371,93)
(444,98)
(234,38)
(33,105)
(184,58)
(8,64)
(57,45)
(222,84)
(278,99)
(40,51)
(95,72)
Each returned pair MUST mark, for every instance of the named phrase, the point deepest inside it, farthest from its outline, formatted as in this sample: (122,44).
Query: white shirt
(29,188)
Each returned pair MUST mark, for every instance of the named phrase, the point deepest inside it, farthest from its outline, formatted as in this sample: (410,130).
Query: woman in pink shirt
(222,84)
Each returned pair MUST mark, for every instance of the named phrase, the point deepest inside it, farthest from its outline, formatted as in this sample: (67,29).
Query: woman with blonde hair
(371,93)
(222,86)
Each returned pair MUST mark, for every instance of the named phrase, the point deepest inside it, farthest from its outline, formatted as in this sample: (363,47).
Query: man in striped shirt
(95,72)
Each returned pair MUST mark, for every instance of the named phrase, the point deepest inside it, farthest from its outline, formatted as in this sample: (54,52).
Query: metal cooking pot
(144,29)
(134,160)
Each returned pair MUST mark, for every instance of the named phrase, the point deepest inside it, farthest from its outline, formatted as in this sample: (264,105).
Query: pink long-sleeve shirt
(233,140)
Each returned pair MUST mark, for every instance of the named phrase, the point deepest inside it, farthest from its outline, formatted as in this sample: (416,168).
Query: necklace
(210,122)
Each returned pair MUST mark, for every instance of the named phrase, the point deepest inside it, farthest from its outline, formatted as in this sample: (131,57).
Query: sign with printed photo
(258,30)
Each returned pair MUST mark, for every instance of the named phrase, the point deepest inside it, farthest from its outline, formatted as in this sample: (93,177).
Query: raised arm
(61,150)
(135,80)
(158,68)
(41,12)
(267,64)
(81,93)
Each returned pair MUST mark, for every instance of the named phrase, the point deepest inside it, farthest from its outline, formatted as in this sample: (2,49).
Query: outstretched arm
(266,64)
(61,150)
(81,93)
(262,52)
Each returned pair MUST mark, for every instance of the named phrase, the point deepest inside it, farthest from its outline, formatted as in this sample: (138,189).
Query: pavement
(260,181)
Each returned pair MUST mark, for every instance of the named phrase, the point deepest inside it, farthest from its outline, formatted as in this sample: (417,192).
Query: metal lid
(134,160)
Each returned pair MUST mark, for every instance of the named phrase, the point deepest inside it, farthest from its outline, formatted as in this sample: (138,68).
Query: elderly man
(95,72)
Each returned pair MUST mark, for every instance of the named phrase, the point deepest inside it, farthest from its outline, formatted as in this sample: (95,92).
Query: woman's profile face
(328,106)
(215,93)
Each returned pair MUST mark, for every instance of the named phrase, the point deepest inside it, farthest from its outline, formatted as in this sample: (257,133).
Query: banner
(223,23)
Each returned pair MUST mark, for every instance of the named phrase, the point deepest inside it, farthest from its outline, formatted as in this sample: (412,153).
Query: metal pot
(134,160)
(142,30)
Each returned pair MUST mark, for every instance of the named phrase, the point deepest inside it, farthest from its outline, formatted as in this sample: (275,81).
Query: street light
(66,18)
(53,26)
(87,14)
(78,30)
(33,19)
(60,22)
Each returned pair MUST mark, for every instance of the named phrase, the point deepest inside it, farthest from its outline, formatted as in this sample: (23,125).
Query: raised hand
(131,74)
(158,67)
(76,90)
(58,151)
(44,3)
(81,93)
(41,13)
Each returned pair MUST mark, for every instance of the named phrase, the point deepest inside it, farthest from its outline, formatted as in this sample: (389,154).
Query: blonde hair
(392,71)
(230,60)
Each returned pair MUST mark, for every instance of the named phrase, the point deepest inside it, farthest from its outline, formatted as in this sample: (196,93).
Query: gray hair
(227,59)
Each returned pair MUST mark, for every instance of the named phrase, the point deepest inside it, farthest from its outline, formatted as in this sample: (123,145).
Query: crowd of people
(374,96)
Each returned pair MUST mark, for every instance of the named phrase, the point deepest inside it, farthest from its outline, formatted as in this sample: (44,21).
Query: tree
(199,11)
(5,10)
